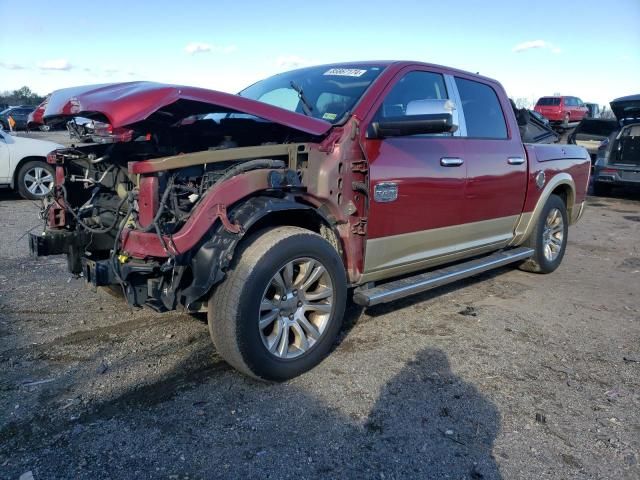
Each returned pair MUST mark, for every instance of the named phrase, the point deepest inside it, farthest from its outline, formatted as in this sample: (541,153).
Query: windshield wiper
(306,106)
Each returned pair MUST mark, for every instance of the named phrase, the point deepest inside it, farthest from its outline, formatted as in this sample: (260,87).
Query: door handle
(515,160)
(451,161)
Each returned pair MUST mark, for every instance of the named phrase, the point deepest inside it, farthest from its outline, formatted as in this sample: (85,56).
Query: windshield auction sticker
(345,72)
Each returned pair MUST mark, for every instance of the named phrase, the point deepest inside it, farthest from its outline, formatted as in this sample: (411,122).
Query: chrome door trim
(458,113)
(515,160)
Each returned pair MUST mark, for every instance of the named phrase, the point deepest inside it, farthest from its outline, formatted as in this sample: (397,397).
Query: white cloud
(57,64)
(292,61)
(199,47)
(532,44)
(11,66)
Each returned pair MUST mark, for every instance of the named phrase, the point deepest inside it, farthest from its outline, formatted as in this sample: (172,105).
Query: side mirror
(421,117)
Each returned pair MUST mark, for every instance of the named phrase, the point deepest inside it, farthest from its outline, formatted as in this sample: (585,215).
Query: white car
(24,167)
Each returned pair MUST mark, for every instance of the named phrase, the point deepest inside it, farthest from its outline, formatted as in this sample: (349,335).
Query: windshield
(549,101)
(326,92)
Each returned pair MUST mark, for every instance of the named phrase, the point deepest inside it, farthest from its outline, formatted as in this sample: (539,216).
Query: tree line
(21,96)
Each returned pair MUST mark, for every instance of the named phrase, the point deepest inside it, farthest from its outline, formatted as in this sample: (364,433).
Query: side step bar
(394,290)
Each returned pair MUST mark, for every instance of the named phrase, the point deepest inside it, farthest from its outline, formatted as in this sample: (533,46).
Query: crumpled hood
(131,102)
(625,107)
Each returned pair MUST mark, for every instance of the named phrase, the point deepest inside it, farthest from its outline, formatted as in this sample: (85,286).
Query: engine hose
(81,222)
(163,202)
(250,165)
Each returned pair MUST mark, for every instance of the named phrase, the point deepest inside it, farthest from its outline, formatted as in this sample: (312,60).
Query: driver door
(417,183)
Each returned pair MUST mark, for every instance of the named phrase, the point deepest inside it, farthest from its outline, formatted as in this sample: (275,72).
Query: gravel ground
(510,375)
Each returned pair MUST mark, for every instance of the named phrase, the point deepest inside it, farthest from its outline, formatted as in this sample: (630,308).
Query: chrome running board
(404,287)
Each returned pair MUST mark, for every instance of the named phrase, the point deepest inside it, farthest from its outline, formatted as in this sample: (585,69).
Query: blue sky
(590,49)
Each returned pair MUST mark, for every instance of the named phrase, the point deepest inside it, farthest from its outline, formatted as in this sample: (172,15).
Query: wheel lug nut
(299,304)
(291,317)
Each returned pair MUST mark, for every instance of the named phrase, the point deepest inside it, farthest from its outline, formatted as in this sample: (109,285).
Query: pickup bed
(269,208)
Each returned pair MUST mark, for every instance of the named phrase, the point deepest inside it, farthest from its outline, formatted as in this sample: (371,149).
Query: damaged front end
(147,210)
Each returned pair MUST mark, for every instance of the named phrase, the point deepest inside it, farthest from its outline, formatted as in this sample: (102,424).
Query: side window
(482,112)
(413,87)
(570,102)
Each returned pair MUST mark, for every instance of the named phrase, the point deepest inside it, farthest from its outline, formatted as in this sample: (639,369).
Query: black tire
(539,263)
(234,307)
(22,185)
(601,189)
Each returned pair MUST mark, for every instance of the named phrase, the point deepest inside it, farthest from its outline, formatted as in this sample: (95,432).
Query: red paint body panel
(35,118)
(144,244)
(128,103)
(429,195)
(148,201)
(433,196)
(573,160)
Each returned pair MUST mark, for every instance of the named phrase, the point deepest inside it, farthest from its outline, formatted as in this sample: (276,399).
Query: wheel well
(21,163)
(564,192)
(307,219)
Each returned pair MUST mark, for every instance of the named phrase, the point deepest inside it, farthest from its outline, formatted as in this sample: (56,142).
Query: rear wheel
(35,180)
(280,308)
(549,237)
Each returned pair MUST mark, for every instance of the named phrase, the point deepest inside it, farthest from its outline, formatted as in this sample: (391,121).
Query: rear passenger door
(496,161)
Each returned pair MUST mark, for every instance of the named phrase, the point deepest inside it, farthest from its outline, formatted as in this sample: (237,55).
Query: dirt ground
(511,375)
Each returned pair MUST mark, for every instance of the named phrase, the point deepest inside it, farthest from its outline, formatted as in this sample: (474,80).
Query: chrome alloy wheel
(296,307)
(38,181)
(553,234)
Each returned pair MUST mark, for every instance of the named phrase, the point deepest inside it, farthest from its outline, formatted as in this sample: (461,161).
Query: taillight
(609,170)
(51,157)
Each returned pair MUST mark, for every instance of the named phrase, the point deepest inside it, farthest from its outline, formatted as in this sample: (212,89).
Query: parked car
(561,110)
(19,115)
(308,184)
(618,159)
(590,133)
(24,167)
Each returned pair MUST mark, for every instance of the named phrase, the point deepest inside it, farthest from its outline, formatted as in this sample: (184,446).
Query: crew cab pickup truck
(270,208)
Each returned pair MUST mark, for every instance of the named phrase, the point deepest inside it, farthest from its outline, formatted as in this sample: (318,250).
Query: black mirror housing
(413,125)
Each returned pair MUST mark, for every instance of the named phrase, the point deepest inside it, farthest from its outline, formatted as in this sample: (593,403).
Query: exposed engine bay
(100,196)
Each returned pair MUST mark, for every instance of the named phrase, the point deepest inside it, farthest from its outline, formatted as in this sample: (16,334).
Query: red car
(562,110)
(268,209)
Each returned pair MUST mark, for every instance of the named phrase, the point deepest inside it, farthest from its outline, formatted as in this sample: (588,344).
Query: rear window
(482,112)
(549,101)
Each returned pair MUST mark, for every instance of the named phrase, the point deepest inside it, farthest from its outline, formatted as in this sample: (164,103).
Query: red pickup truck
(268,209)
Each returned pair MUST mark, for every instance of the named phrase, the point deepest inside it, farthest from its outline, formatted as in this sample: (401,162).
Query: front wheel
(549,237)
(279,310)
(35,180)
